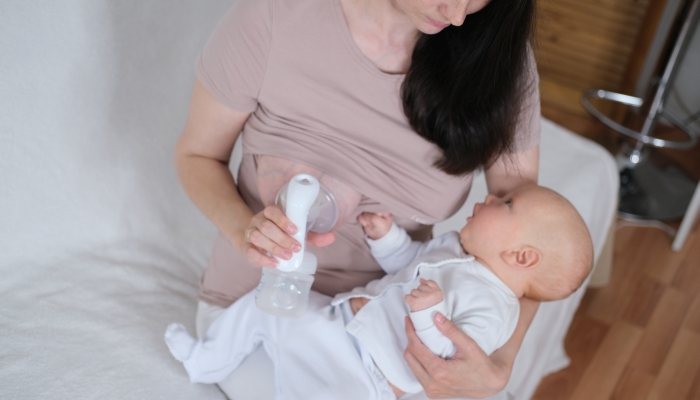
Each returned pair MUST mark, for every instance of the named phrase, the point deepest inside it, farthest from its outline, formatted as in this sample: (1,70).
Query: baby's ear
(522,257)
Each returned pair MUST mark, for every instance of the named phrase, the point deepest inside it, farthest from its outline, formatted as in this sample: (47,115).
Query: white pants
(257,367)
(313,356)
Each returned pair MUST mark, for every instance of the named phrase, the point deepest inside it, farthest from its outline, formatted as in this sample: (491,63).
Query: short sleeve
(527,130)
(232,64)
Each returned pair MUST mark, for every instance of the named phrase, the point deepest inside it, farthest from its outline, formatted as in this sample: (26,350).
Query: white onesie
(474,299)
(314,357)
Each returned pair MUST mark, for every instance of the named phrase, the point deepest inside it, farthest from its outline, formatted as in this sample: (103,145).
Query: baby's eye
(508,203)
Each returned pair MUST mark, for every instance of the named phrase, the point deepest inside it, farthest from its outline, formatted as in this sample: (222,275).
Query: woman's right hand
(268,234)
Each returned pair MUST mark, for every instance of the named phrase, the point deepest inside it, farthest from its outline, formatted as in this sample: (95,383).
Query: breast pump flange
(284,291)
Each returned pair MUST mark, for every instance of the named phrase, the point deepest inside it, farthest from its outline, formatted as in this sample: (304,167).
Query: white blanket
(99,247)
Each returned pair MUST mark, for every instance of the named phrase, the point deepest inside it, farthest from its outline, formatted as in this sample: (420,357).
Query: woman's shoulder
(298,14)
(281,7)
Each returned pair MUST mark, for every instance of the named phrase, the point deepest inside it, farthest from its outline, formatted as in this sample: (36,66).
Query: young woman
(392,104)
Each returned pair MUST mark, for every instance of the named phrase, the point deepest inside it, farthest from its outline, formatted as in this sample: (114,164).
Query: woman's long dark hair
(465,86)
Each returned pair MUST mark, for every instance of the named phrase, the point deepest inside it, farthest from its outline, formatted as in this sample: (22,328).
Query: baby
(530,243)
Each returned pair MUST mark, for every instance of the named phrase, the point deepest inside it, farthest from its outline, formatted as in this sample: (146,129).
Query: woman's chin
(432,26)
(429,29)
(424,26)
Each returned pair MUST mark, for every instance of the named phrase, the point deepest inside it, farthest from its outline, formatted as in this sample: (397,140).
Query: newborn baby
(530,243)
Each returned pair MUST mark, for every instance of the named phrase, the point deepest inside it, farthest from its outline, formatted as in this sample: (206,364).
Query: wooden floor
(638,337)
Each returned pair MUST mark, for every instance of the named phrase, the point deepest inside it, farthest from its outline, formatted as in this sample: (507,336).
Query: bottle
(284,291)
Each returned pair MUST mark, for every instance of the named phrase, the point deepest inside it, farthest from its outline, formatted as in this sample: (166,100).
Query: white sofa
(99,247)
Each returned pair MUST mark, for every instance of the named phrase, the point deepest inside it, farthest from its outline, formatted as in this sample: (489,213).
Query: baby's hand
(426,295)
(375,225)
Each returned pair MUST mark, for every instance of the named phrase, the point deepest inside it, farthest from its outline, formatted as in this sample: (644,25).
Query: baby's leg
(318,360)
(230,338)
(313,356)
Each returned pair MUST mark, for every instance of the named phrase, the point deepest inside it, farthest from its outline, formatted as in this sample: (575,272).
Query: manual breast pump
(284,291)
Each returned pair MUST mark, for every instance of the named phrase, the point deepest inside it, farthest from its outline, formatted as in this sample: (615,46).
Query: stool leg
(690,216)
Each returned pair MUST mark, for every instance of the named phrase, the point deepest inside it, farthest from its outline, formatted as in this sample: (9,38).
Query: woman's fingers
(463,343)
(416,367)
(268,235)
(274,213)
(258,238)
(417,349)
(469,373)
(425,365)
(320,239)
(258,259)
(278,228)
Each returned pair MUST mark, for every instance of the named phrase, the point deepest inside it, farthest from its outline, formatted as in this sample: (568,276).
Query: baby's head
(533,239)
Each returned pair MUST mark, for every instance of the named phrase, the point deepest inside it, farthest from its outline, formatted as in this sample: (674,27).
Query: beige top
(318,100)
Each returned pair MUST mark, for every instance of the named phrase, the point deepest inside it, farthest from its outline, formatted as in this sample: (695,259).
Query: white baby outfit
(474,299)
(329,353)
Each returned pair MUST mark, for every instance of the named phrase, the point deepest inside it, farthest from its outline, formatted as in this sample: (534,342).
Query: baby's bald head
(562,237)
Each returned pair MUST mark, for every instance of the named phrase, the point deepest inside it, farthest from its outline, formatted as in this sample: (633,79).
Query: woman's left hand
(470,372)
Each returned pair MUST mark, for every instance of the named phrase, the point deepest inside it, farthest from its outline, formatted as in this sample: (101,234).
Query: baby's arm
(482,322)
(390,245)
(487,320)
(423,302)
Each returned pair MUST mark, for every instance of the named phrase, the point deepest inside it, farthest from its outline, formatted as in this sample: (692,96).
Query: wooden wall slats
(586,45)
(612,21)
(584,73)
(605,52)
(613,67)
(618,12)
(583,79)
(586,26)
(612,3)
(582,45)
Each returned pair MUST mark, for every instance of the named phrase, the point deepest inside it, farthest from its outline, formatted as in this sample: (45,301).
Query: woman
(392,104)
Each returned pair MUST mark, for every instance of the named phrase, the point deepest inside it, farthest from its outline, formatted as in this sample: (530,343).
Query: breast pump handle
(301,194)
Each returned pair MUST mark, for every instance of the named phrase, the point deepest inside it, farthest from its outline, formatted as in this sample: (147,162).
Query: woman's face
(432,16)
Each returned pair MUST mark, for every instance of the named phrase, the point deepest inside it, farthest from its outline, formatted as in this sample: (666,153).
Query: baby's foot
(179,342)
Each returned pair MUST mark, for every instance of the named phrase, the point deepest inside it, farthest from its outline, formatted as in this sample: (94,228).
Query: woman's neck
(384,18)
(382,31)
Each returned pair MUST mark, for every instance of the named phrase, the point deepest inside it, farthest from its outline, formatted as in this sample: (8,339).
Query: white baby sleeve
(486,331)
(432,338)
(396,250)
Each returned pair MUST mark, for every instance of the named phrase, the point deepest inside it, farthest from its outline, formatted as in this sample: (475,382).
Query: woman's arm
(505,356)
(511,171)
(202,155)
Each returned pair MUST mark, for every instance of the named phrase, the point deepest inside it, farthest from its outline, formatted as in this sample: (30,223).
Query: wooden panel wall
(586,44)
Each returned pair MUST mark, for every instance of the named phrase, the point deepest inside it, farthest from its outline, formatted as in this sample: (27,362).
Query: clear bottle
(284,291)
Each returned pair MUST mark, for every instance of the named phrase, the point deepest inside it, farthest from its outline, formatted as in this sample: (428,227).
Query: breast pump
(284,291)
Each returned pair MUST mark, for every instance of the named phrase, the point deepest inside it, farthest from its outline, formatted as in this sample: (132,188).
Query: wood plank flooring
(638,337)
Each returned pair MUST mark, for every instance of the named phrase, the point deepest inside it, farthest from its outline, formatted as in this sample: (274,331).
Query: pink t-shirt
(318,100)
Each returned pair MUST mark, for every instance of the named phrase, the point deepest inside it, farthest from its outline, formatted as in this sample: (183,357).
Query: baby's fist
(375,225)
(426,295)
